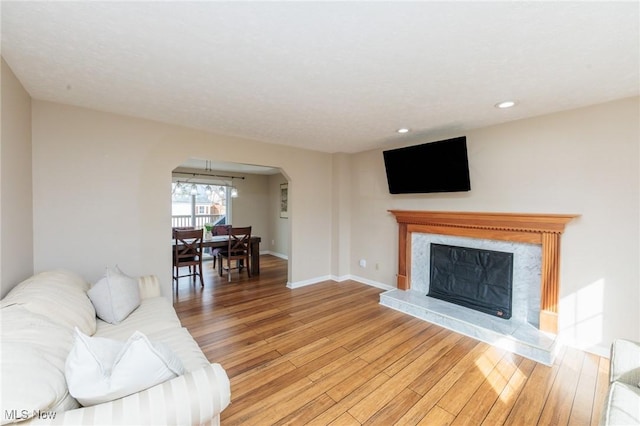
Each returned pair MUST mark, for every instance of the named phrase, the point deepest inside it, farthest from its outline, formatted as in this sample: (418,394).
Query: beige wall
(251,207)
(341,224)
(16,208)
(279,235)
(101,183)
(584,161)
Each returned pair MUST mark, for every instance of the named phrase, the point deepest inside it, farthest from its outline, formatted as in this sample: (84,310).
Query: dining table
(222,241)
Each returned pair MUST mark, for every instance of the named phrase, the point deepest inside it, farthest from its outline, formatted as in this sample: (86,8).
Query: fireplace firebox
(474,278)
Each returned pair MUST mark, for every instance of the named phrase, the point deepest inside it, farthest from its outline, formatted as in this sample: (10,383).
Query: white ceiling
(328,76)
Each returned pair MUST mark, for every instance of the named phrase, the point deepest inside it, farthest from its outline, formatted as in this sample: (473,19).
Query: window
(196,204)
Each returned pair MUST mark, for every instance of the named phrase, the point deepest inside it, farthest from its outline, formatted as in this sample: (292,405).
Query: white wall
(101,183)
(16,209)
(584,161)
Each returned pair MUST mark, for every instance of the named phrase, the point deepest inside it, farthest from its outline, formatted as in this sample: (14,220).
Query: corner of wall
(341,214)
(16,182)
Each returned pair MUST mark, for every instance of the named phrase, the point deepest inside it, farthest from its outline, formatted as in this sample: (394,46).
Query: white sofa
(38,321)
(622,405)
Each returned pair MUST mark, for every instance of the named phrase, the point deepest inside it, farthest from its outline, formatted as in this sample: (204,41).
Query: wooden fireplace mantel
(544,229)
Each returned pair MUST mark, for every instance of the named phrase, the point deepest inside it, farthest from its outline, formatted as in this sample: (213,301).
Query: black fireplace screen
(477,279)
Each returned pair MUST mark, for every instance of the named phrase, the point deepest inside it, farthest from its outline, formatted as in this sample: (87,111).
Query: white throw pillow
(115,296)
(100,370)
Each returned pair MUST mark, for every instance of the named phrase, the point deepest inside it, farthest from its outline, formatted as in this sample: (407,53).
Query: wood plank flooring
(329,354)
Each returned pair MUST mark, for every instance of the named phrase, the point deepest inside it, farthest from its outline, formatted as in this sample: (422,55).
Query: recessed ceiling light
(505,104)
(403,130)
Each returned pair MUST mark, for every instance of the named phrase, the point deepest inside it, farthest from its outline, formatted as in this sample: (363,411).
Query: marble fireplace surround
(539,231)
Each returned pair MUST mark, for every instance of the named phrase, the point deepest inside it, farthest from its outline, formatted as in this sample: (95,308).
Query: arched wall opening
(262,199)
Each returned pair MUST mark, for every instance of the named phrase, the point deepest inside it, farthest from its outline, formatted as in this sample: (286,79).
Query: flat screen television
(441,166)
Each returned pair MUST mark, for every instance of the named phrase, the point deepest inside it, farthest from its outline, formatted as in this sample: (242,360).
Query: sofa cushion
(149,286)
(157,319)
(32,357)
(183,345)
(115,296)
(59,295)
(153,314)
(625,361)
(622,406)
(100,369)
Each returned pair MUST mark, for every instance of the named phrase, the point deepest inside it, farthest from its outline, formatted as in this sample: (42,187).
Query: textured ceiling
(328,76)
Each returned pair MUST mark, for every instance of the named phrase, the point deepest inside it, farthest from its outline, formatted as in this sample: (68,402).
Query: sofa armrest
(193,398)
(625,362)
(149,287)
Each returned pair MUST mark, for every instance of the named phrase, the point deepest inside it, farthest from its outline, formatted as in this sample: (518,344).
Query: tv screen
(440,166)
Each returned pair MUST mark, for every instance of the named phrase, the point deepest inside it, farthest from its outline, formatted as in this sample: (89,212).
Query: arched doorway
(209,191)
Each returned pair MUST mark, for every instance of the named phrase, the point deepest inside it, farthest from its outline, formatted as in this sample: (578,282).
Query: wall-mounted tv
(441,166)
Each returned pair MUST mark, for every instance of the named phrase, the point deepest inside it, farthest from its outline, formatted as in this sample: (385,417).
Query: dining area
(215,199)
(231,250)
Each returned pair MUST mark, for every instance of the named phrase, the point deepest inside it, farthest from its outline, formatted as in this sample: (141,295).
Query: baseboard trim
(273,253)
(367,281)
(340,279)
(310,281)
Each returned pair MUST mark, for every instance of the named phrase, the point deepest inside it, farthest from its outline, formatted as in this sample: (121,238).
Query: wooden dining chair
(179,228)
(187,251)
(238,249)
(216,231)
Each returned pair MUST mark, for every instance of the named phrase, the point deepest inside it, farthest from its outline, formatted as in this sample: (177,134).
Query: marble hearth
(530,331)
(518,337)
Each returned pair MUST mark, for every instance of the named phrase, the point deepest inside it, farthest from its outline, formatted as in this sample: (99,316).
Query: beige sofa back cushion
(32,359)
(58,295)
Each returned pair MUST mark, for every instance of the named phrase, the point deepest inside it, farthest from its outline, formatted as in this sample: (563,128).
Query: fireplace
(474,278)
(542,229)
(533,243)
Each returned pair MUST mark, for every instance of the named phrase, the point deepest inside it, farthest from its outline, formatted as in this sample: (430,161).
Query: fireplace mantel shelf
(544,229)
(525,222)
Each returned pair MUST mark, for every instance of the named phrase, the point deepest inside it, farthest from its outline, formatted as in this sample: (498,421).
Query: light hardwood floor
(330,354)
